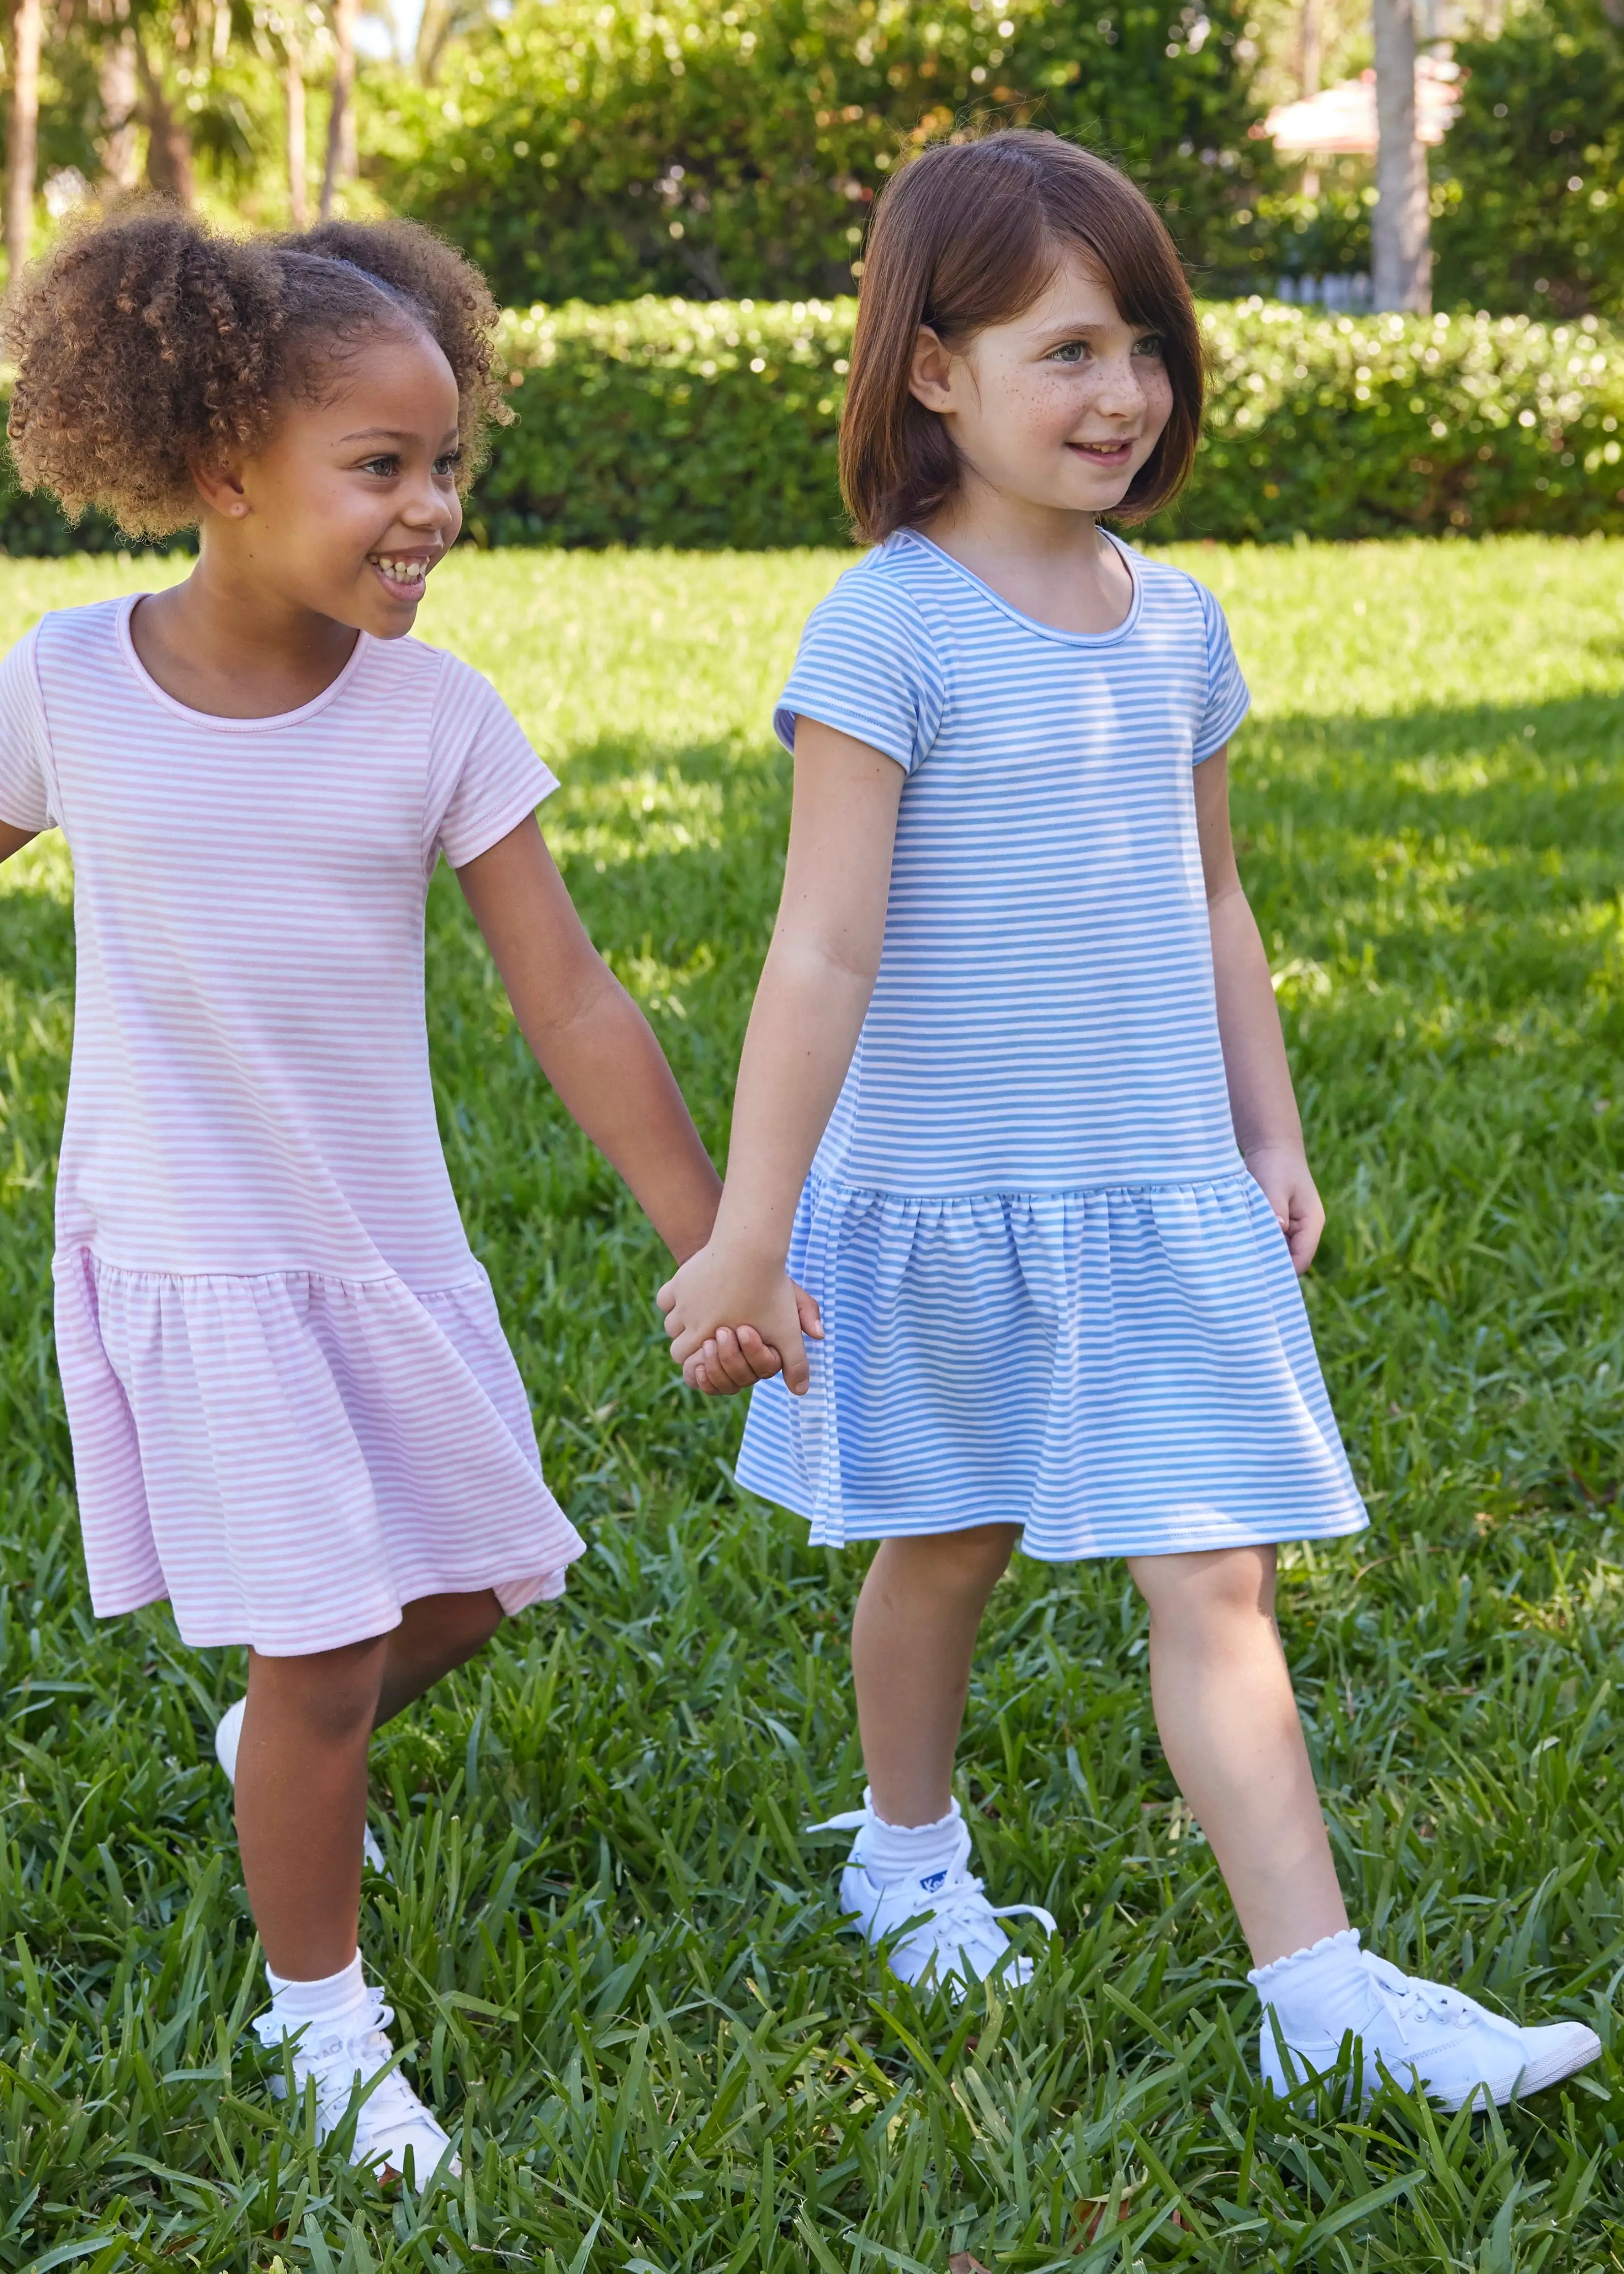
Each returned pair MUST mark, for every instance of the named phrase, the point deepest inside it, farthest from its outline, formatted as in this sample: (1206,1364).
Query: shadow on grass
(1535,776)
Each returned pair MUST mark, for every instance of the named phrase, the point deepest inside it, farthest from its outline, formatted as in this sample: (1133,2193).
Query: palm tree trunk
(433,32)
(341,165)
(168,142)
(1310,49)
(23,139)
(298,198)
(1402,227)
(115,83)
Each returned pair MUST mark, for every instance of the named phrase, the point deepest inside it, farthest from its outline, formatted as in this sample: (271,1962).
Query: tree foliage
(197,111)
(583,150)
(1529,186)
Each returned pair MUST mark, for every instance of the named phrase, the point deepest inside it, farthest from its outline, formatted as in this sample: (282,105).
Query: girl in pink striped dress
(294,1411)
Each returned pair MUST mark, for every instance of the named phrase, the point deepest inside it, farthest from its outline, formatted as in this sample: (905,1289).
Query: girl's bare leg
(301,1772)
(913,1638)
(301,1801)
(1230,1728)
(437,1634)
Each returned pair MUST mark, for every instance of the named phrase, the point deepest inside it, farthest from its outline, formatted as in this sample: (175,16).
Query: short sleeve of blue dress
(1053,1294)
(868,666)
(1228,697)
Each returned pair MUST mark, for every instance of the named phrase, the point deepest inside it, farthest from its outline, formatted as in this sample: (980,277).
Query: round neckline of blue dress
(1035,623)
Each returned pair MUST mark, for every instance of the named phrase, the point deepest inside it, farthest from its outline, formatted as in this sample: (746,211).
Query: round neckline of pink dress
(212,718)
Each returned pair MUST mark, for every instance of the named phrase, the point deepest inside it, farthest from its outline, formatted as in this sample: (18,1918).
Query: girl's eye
(1152,345)
(385,466)
(446,466)
(1073,351)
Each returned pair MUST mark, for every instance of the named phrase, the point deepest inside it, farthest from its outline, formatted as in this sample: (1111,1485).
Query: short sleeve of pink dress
(292,1404)
(28,793)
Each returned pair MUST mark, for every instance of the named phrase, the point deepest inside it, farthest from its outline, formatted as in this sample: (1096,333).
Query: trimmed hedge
(1342,426)
(713,423)
(32,526)
(670,422)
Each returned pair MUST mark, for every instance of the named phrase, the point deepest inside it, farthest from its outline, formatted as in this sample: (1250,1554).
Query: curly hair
(144,343)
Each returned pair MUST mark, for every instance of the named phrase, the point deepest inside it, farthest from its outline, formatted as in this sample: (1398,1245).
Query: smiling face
(1058,409)
(352,501)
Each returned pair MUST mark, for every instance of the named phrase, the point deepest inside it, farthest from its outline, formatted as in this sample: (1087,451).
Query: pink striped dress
(292,1404)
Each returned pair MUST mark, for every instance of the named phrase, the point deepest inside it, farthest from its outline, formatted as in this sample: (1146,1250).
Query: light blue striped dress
(1052,1294)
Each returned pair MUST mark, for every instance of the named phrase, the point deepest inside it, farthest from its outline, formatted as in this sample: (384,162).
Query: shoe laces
(390,2113)
(955,1910)
(341,2057)
(353,2065)
(1412,2003)
(959,1906)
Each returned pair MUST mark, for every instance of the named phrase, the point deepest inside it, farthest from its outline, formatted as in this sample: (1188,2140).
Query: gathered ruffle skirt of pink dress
(291,1458)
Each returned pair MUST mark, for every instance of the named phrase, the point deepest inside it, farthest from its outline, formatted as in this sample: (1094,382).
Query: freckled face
(354,499)
(1062,406)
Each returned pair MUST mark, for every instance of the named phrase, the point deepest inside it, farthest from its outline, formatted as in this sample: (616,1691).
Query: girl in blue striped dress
(1018,1025)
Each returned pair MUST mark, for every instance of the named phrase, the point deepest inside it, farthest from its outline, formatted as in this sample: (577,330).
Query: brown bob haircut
(967,234)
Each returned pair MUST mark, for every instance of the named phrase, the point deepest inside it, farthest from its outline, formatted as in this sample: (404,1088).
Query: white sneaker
(228,1737)
(959,1940)
(1422,2034)
(347,2063)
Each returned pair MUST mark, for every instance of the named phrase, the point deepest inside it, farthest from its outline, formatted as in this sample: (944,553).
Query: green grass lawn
(606,1925)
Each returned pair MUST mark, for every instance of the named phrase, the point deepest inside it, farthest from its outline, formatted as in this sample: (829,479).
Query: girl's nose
(1119,392)
(425,507)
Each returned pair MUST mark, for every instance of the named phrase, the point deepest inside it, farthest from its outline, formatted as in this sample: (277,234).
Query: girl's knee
(456,1626)
(476,1621)
(330,1696)
(1220,1584)
(954,1562)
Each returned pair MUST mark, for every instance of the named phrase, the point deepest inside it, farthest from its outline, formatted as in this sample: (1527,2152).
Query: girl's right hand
(714,1290)
(733,1359)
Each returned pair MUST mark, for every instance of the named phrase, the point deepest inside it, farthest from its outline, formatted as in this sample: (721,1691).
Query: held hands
(719,1285)
(1282,1171)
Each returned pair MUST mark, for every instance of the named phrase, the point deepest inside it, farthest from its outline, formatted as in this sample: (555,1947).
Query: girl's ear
(930,374)
(220,487)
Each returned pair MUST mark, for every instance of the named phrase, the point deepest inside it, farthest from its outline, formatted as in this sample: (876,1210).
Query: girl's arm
(12,840)
(1262,1101)
(815,988)
(589,1038)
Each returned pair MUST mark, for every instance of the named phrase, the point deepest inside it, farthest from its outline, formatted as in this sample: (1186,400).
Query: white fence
(1326,292)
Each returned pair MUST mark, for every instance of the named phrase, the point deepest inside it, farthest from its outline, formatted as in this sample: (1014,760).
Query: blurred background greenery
(600,149)
(671,197)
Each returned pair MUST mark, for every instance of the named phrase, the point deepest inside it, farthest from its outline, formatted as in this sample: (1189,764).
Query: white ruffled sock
(1321,1992)
(892,1852)
(318,2005)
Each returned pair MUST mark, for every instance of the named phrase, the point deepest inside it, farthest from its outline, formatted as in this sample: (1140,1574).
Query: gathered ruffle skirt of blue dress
(1121,1372)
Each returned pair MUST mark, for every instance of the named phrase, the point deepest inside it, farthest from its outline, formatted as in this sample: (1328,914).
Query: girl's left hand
(1282,1171)
(725,1284)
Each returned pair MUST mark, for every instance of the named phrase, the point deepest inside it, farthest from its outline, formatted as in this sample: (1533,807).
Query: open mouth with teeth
(1103,454)
(404,575)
